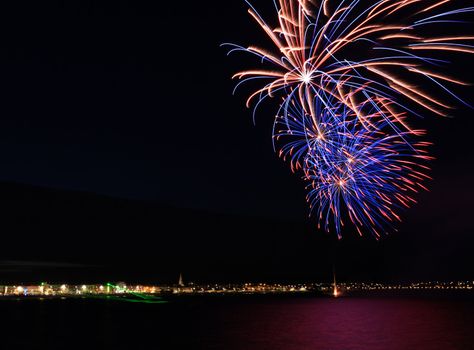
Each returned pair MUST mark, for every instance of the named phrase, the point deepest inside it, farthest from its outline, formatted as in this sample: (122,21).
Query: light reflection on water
(244,323)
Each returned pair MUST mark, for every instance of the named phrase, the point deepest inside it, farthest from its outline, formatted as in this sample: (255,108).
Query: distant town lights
(51,290)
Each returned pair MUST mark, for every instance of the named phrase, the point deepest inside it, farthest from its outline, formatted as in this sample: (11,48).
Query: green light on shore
(143,298)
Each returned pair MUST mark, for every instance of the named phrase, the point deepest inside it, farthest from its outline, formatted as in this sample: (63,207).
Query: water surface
(243,323)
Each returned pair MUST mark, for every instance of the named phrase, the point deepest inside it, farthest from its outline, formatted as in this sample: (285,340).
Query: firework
(353,50)
(347,73)
(361,175)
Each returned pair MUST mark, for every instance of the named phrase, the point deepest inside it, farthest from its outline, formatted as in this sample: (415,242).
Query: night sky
(133,100)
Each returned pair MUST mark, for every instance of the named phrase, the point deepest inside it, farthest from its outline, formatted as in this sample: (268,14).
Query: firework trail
(357,174)
(347,73)
(349,49)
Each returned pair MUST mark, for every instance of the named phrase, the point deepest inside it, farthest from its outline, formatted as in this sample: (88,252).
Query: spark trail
(348,73)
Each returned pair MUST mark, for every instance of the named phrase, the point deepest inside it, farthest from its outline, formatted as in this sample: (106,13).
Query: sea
(258,322)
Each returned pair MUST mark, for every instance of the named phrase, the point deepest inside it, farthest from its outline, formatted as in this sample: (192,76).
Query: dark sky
(133,99)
